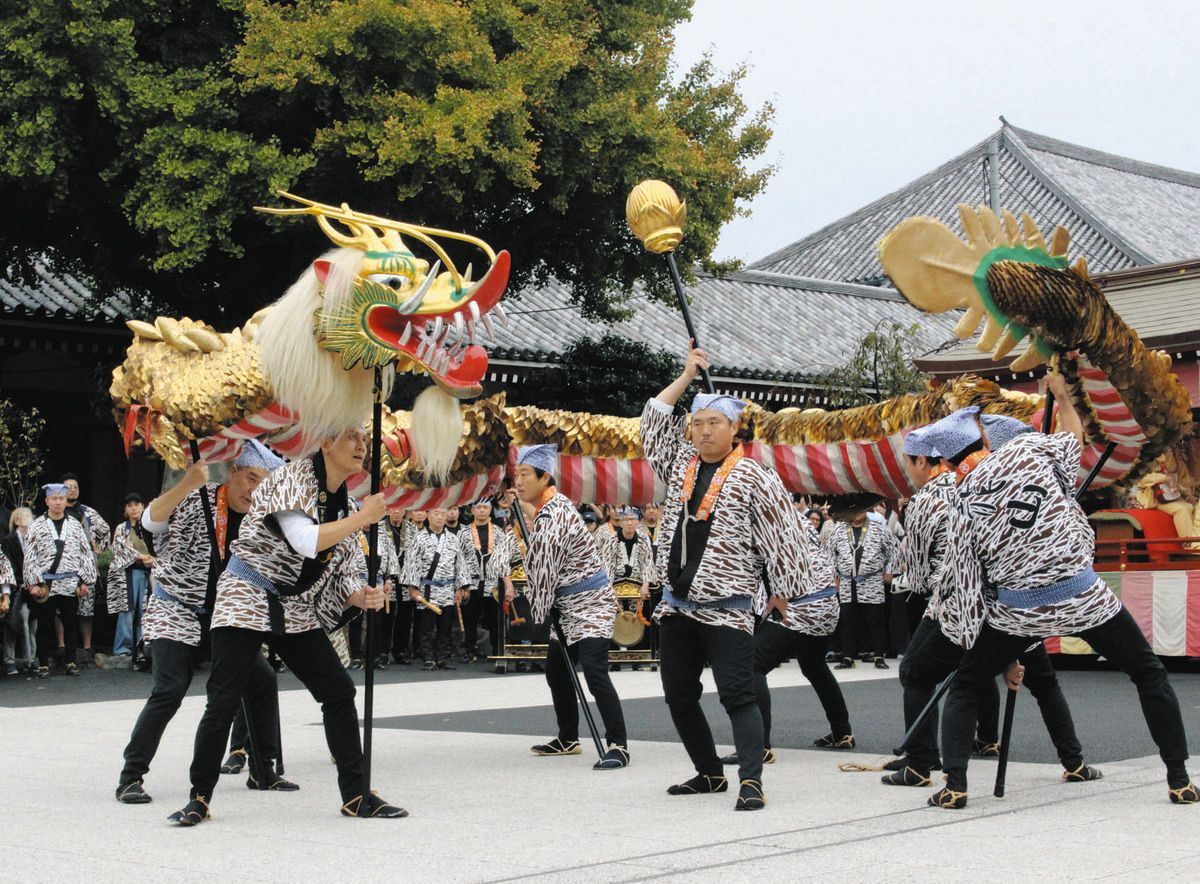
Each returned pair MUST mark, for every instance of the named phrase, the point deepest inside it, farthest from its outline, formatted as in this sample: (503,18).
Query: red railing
(1139,554)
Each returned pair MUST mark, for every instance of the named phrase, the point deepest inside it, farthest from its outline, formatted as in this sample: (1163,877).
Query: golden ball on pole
(656,215)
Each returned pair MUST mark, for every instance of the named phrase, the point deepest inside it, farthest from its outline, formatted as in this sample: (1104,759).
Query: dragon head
(385,303)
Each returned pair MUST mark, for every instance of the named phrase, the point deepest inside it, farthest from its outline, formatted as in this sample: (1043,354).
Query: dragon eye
(391,280)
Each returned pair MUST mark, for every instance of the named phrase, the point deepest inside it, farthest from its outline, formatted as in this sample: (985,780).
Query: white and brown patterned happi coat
(880,554)
(7,577)
(452,566)
(499,562)
(124,555)
(77,555)
(239,603)
(1017,525)
(818,617)
(617,556)
(181,562)
(561,552)
(389,560)
(927,521)
(753,525)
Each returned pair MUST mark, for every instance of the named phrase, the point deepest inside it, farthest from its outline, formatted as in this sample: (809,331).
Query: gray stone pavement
(484,809)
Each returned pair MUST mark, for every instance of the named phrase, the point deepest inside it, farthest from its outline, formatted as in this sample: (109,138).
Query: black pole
(938,693)
(1010,708)
(214,557)
(372,575)
(677,280)
(1048,413)
(1095,471)
(562,645)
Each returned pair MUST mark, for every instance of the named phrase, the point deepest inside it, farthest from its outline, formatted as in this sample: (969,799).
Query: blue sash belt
(156,589)
(1051,594)
(599,580)
(826,593)
(440,581)
(733,603)
(65,575)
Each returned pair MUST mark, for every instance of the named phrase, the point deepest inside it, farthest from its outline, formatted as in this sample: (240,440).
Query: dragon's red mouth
(443,344)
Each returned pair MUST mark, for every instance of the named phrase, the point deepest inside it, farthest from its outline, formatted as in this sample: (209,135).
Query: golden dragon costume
(374,301)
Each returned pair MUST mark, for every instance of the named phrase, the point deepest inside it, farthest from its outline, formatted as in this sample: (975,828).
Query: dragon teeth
(460,326)
(438,325)
(491,332)
(501,314)
(406,334)
(474,308)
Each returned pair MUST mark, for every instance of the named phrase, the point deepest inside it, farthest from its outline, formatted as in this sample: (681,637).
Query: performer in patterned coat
(60,569)
(296,569)
(931,654)
(487,547)
(629,561)
(389,566)
(129,577)
(1020,558)
(865,556)
(721,508)
(179,609)
(566,579)
(435,569)
(99,534)
(403,528)
(8,585)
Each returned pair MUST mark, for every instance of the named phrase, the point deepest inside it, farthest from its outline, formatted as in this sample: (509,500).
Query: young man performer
(179,608)
(566,578)
(295,569)
(1017,522)
(435,569)
(60,569)
(934,651)
(721,509)
(804,635)
(129,576)
(864,554)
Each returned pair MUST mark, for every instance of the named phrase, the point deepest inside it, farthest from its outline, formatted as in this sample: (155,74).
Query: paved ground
(453,749)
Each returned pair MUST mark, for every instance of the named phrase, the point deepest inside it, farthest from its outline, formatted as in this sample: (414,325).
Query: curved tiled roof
(62,296)
(1120,212)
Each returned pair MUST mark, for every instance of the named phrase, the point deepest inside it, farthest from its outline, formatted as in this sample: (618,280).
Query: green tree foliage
(612,375)
(136,135)
(21,460)
(880,367)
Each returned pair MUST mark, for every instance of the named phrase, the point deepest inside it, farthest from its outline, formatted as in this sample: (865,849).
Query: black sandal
(948,799)
(984,749)
(751,796)
(235,762)
(909,776)
(701,784)
(557,747)
(1184,795)
(193,814)
(1082,774)
(272,782)
(132,793)
(376,807)
(615,758)
(732,759)
(829,741)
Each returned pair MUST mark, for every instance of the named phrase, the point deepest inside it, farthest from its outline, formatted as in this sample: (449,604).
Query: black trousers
(929,658)
(402,628)
(433,633)
(314,661)
(173,670)
(592,656)
(774,645)
(858,620)
(687,645)
(67,608)
(1120,640)
(472,608)
(491,618)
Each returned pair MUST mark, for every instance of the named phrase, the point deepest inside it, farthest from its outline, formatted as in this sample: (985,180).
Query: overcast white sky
(870,95)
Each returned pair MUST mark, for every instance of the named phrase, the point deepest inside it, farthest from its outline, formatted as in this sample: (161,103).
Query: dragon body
(183,380)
